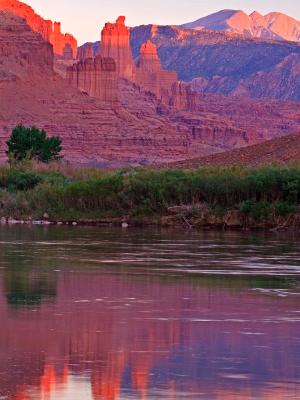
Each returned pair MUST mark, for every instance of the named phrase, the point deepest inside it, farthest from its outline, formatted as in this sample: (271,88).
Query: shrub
(18,180)
(284,208)
(32,143)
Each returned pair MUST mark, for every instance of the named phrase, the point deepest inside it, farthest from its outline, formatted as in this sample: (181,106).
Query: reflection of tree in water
(28,277)
(24,288)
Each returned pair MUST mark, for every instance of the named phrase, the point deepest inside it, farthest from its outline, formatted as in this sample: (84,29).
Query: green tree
(33,143)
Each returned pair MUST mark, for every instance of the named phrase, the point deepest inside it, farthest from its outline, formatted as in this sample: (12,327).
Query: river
(110,314)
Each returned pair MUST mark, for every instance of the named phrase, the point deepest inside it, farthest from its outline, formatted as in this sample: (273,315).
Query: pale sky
(85,18)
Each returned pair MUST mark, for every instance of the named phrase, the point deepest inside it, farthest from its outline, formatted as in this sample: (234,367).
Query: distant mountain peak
(256,14)
(274,25)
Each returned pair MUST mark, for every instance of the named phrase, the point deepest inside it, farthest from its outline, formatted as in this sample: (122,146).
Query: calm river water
(111,314)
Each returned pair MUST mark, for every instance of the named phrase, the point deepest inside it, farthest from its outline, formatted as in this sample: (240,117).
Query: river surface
(110,314)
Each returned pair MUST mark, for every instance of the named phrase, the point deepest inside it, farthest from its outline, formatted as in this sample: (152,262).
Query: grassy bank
(236,197)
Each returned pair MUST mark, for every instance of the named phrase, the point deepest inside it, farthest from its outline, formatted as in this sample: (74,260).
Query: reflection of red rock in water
(107,384)
(52,380)
(102,348)
(47,29)
(140,377)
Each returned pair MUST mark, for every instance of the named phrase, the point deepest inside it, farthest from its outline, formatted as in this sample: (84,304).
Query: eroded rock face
(97,77)
(60,40)
(50,31)
(151,76)
(148,73)
(22,51)
(85,51)
(143,129)
(282,82)
(224,63)
(68,52)
(115,44)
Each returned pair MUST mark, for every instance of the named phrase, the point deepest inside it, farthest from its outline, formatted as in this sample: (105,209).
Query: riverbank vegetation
(208,196)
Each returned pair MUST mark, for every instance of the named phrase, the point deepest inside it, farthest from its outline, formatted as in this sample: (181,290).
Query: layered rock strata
(85,51)
(50,31)
(115,43)
(225,63)
(151,76)
(97,77)
(142,130)
(60,41)
(22,51)
(148,73)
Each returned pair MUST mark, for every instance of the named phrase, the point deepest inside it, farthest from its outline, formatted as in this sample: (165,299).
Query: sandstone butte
(226,63)
(148,73)
(115,44)
(97,77)
(143,126)
(51,32)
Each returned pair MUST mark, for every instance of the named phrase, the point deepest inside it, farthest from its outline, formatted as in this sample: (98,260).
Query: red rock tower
(115,43)
(149,59)
(151,76)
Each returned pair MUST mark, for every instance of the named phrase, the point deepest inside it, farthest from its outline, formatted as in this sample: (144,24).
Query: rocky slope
(274,25)
(141,128)
(92,131)
(64,45)
(220,62)
(279,151)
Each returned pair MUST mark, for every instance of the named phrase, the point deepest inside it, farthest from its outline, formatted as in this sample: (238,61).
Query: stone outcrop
(142,129)
(115,44)
(282,82)
(50,31)
(85,51)
(60,41)
(225,62)
(183,97)
(67,52)
(97,77)
(22,52)
(151,76)
(148,73)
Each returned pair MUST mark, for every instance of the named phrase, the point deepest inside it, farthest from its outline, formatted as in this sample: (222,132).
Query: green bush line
(255,192)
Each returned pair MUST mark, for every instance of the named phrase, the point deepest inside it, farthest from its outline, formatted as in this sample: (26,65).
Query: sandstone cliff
(221,62)
(86,51)
(50,31)
(115,44)
(22,51)
(92,131)
(142,129)
(97,77)
(151,76)
(147,73)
